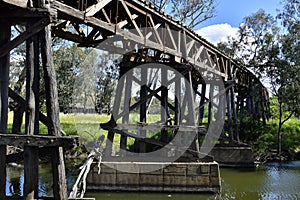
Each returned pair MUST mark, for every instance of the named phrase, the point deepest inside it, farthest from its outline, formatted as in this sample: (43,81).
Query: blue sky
(233,11)
(230,14)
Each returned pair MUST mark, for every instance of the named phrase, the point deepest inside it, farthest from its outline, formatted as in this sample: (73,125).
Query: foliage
(67,60)
(190,13)
(272,52)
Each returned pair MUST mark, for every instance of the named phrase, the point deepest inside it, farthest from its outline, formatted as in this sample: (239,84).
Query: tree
(106,84)
(67,60)
(190,12)
(272,52)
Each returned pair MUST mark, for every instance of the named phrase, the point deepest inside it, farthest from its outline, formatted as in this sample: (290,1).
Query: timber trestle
(190,70)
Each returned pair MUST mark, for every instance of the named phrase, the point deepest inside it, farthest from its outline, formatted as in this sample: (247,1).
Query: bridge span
(186,74)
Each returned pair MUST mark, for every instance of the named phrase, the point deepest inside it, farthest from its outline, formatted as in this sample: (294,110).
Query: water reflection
(272,181)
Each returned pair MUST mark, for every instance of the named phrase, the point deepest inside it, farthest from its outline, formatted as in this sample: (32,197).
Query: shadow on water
(271,181)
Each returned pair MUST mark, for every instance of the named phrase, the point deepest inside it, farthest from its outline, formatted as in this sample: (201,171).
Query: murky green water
(272,181)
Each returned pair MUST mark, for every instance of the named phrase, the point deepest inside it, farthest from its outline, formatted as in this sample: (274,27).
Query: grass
(87,126)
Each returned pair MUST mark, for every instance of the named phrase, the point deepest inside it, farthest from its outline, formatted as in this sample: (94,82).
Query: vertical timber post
(234,113)
(143,108)
(210,104)
(164,104)
(5,34)
(177,100)
(58,165)
(202,101)
(31,159)
(128,87)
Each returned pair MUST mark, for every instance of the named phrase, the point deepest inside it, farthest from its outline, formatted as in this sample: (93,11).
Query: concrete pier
(233,156)
(175,177)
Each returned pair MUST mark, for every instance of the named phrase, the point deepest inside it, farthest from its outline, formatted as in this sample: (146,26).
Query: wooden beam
(9,13)
(68,35)
(19,3)
(38,140)
(32,30)
(92,10)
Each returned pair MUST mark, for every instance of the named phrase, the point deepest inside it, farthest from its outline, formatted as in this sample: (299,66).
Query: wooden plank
(31,178)
(67,35)
(12,13)
(19,3)
(32,30)
(92,10)
(37,140)
(132,19)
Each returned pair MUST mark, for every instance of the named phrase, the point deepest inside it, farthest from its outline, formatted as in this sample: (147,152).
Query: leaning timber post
(125,119)
(262,106)
(191,111)
(143,109)
(234,114)
(115,112)
(249,103)
(242,114)
(177,99)
(202,105)
(58,165)
(5,35)
(210,104)
(229,115)
(164,104)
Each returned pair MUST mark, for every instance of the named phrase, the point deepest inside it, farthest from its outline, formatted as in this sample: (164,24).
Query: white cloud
(217,33)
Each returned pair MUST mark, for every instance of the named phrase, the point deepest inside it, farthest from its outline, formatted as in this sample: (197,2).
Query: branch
(290,115)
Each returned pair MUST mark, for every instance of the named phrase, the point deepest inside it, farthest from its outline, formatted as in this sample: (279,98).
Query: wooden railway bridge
(144,36)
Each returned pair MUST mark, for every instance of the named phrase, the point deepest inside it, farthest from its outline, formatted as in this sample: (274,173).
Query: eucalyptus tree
(270,47)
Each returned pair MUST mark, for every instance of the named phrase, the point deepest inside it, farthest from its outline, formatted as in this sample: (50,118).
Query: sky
(230,14)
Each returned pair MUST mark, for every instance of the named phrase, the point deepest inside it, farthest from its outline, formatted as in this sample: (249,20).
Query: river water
(271,181)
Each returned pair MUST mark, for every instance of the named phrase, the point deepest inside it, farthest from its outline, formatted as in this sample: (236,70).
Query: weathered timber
(31,178)
(32,30)
(3,172)
(30,107)
(164,105)
(5,34)
(202,101)
(17,98)
(38,140)
(50,83)
(18,3)
(125,119)
(24,14)
(141,146)
(59,174)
